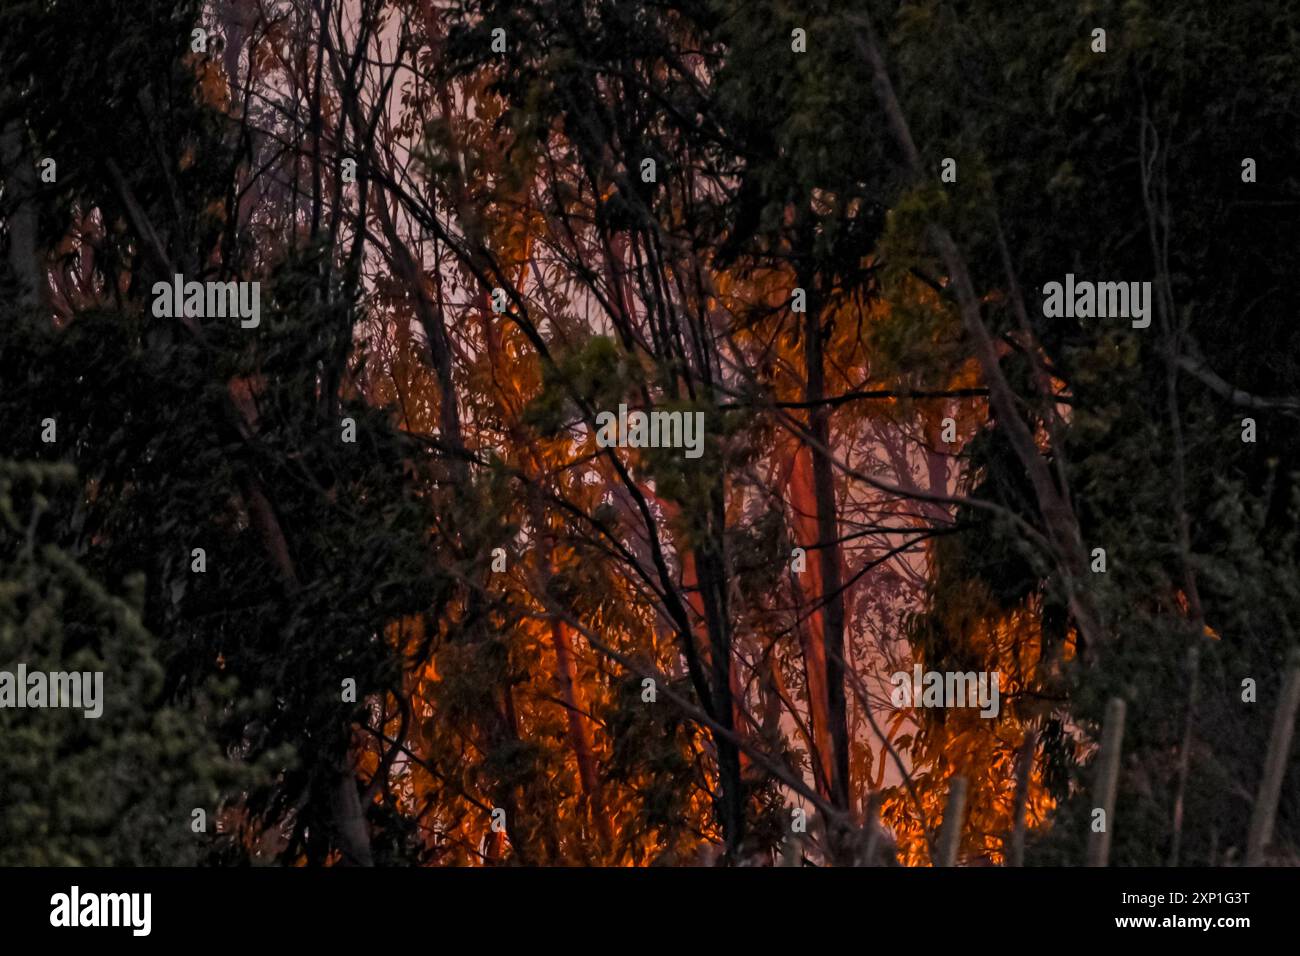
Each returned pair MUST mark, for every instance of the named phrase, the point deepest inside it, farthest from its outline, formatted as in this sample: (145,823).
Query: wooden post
(1024,771)
(874,828)
(1279,745)
(1185,750)
(950,832)
(1103,793)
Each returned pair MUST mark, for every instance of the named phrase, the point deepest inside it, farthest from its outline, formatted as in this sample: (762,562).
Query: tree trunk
(20,189)
(807,588)
(828,553)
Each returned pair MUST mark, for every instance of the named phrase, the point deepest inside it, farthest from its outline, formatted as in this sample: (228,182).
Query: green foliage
(111,790)
(226,441)
(1065,136)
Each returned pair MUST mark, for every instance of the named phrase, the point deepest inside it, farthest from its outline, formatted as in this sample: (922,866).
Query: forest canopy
(593,432)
